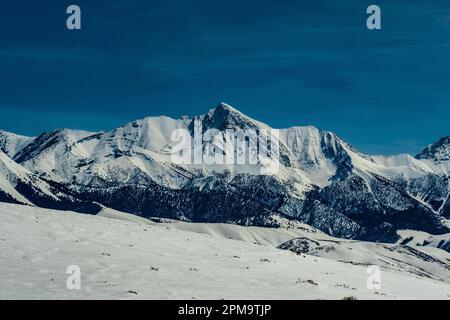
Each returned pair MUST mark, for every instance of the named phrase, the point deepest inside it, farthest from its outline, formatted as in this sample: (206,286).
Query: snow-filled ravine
(125,257)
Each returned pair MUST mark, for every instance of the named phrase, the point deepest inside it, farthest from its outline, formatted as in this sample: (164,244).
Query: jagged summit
(224,117)
(226,106)
(438,151)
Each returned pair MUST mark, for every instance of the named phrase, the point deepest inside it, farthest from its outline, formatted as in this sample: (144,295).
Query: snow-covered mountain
(321,180)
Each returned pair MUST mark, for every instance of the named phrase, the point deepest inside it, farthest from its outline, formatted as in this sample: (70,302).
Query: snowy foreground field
(125,257)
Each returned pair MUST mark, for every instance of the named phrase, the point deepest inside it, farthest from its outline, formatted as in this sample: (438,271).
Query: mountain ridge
(321,180)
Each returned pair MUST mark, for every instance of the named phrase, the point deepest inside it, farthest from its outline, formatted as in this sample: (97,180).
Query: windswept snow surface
(124,257)
(418,238)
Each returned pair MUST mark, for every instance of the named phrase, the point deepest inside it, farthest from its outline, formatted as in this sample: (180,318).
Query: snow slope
(418,238)
(7,185)
(11,174)
(414,259)
(18,185)
(136,259)
(11,143)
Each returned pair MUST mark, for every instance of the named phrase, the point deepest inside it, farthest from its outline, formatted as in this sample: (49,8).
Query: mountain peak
(225,116)
(223,109)
(226,106)
(438,151)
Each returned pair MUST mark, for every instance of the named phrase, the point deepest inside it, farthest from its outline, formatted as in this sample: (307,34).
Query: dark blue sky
(282,62)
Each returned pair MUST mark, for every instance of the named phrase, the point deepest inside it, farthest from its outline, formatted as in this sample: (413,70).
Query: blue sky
(282,62)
